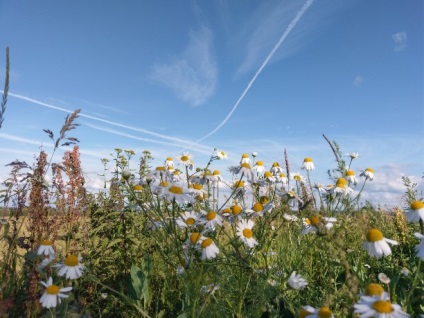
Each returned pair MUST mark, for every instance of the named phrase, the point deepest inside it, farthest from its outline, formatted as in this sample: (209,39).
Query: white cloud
(193,75)
(358,80)
(400,41)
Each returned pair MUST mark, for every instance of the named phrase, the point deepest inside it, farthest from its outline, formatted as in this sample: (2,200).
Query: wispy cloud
(193,75)
(205,150)
(286,32)
(178,141)
(400,41)
(358,80)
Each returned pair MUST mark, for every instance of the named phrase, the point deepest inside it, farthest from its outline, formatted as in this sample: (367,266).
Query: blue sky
(250,75)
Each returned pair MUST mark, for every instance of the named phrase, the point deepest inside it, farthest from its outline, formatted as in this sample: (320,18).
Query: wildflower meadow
(182,240)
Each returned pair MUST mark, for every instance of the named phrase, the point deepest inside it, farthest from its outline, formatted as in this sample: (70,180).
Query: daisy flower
(268,176)
(245,170)
(177,176)
(382,277)
(209,248)
(377,245)
(341,188)
(71,267)
(216,178)
(375,291)
(53,294)
(160,173)
(196,188)
(244,232)
(259,167)
(314,223)
(311,312)
(296,176)
(259,209)
(221,154)
(415,212)
(282,178)
(187,219)
(169,162)
(308,164)
(211,219)
(420,247)
(193,239)
(379,308)
(245,159)
(177,193)
(297,281)
(350,177)
(160,188)
(306,311)
(276,169)
(368,173)
(353,155)
(254,154)
(185,160)
(294,201)
(138,188)
(46,248)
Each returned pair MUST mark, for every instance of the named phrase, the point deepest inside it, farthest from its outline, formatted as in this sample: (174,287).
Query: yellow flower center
(307,159)
(226,210)
(247,233)
(138,187)
(304,313)
(267,174)
(194,237)
(315,220)
(163,184)
(197,186)
(275,164)
(216,172)
(297,177)
(52,290)
(369,170)
(211,215)
(325,312)
(175,190)
(169,159)
(245,165)
(350,173)
(374,290)
(257,207)
(264,199)
(71,260)
(190,221)
(46,242)
(374,235)
(161,168)
(184,158)
(206,242)
(417,205)
(382,306)
(291,194)
(282,175)
(259,163)
(236,209)
(245,155)
(222,153)
(341,183)
(239,184)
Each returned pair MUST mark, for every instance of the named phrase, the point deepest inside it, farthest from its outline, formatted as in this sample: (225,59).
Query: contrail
(182,141)
(282,38)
